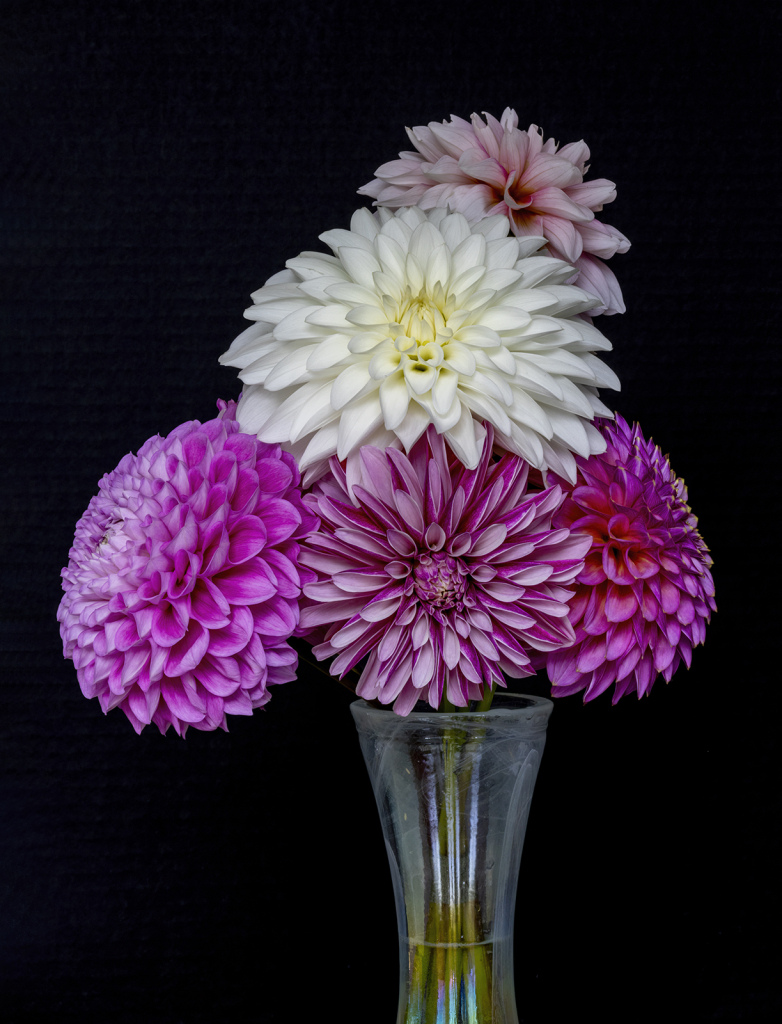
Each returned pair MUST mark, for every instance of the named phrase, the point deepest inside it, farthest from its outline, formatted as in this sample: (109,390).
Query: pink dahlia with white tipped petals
(182,586)
(646,593)
(482,168)
(441,576)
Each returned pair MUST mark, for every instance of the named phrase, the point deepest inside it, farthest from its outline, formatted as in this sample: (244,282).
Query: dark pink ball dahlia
(442,577)
(182,585)
(645,593)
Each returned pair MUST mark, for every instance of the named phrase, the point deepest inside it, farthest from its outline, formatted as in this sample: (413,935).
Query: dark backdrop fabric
(159,162)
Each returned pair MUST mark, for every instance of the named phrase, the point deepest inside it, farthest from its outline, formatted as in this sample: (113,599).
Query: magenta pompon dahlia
(443,577)
(182,584)
(646,593)
(483,168)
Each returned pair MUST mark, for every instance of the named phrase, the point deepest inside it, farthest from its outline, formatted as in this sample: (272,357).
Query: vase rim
(504,706)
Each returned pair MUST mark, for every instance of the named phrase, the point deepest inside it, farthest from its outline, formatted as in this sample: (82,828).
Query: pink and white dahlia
(645,593)
(419,318)
(182,586)
(441,576)
(482,168)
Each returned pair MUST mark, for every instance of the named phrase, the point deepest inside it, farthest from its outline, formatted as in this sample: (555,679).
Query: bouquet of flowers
(419,480)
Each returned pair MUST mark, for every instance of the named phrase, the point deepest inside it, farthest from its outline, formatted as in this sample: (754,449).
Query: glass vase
(454,793)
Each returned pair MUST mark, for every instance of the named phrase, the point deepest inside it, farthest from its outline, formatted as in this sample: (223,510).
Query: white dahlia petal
(281,277)
(290,370)
(332,350)
(419,377)
(604,375)
(541,271)
(419,318)
(316,413)
(279,425)
(527,443)
(320,447)
(598,407)
(394,400)
(349,384)
(357,421)
(257,406)
(569,431)
(244,348)
(412,426)
(366,341)
(311,265)
(560,460)
(491,228)
(485,408)
(573,399)
(466,439)
(527,412)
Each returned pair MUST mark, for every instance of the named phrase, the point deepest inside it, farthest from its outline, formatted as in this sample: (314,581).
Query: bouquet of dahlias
(419,479)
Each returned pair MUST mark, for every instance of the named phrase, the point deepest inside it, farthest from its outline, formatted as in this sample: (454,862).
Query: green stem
(485,704)
(452,958)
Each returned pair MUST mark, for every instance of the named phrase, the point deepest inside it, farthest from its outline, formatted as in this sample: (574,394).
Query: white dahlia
(421,318)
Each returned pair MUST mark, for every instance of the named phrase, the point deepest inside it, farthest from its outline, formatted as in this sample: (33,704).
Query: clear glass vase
(454,793)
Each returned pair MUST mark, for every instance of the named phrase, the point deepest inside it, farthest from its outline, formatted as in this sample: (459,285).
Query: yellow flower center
(420,325)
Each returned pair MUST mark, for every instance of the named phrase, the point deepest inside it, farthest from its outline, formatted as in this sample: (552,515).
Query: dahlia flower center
(420,326)
(114,536)
(440,580)
(514,195)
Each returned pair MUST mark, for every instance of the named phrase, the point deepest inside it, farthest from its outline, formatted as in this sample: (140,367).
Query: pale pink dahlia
(182,586)
(444,577)
(483,168)
(645,593)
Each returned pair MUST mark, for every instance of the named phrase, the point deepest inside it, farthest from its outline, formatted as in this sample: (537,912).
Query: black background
(159,161)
